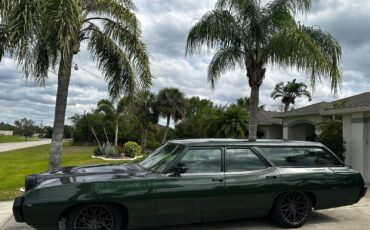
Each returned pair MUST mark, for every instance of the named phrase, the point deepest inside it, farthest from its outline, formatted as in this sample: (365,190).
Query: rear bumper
(362,193)
(17,209)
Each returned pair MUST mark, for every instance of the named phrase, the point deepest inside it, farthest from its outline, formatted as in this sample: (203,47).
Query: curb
(6,222)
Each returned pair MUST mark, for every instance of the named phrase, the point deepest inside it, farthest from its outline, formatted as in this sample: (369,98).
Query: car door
(346,185)
(308,168)
(251,184)
(195,195)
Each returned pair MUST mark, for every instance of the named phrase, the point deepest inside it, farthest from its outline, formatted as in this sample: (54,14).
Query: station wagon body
(192,181)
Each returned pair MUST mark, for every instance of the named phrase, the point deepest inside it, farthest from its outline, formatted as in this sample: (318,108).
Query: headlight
(30,182)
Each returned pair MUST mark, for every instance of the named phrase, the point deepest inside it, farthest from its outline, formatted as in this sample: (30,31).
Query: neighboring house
(6,132)
(269,127)
(301,124)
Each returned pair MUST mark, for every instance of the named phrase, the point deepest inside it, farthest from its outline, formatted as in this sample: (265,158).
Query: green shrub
(331,135)
(108,150)
(153,144)
(132,149)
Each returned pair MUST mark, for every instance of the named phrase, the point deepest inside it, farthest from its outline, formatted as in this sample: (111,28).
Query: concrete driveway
(21,145)
(356,217)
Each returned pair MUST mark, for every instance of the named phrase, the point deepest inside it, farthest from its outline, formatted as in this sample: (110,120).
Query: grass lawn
(8,139)
(16,164)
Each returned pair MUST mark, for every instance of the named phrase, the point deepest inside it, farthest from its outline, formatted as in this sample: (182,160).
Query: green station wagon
(193,181)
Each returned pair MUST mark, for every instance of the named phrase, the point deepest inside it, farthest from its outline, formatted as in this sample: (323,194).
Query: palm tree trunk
(254,100)
(116,135)
(105,133)
(166,130)
(286,107)
(64,76)
(144,135)
(96,138)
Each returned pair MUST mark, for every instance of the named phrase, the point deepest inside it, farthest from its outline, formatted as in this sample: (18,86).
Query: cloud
(165,24)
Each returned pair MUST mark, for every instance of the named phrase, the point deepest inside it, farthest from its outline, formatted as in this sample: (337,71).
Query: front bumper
(362,193)
(17,209)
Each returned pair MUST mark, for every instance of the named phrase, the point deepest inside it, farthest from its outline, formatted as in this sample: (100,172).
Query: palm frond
(118,10)
(171,102)
(144,108)
(134,48)
(106,106)
(309,49)
(6,5)
(279,14)
(216,28)
(331,51)
(224,59)
(123,104)
(249,15)
(113,62)
(248,10)
(3,41)
(62,19)
(38,32)
(278,90)
(22,27)
(293,6)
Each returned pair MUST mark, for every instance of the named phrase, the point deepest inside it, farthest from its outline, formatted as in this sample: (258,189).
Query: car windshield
(160,159)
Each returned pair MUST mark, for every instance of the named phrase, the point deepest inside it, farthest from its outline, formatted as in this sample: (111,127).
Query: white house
(301,124)
(6,132)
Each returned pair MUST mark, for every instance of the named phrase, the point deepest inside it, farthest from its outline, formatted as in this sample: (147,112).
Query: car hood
(99,169)
(90,173)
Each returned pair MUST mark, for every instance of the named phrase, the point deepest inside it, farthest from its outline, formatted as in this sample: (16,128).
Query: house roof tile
(356,101)
(268,118)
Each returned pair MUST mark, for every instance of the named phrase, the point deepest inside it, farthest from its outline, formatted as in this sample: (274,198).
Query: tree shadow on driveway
(255,224)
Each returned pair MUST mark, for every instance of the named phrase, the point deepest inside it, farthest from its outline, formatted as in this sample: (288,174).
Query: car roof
(246,142)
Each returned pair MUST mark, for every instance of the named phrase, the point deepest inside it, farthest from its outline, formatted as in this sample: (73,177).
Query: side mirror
(179,169)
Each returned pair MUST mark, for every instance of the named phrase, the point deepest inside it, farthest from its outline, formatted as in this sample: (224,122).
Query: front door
(195,195)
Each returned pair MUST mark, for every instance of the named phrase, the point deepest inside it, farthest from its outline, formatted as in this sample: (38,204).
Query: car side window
(202,160)
(240,160)
(301,157)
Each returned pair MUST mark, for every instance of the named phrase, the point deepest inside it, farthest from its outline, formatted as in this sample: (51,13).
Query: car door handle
(271,177)
(218,179)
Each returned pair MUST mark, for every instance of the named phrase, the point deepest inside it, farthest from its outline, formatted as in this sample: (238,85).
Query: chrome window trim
(203,174)
(267,169)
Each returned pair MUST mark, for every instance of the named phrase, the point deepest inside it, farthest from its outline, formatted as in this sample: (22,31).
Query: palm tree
(44,34)
(144,108)
(232,122)
(249,34)
(290,92)
(246,102)
(114,114)
(171,103)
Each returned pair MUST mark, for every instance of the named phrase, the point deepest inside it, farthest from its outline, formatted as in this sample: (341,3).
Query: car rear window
(301,157)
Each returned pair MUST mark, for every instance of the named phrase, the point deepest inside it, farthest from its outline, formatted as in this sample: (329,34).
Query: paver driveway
(356,217)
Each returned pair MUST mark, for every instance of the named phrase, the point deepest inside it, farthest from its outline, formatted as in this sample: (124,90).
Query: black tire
(292,209)
(94,217)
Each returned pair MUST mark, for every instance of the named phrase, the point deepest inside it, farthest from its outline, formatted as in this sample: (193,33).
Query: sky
(165,25)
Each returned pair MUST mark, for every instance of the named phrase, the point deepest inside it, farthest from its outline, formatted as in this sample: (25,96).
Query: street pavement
(5,212)
(355,217)
(21,145)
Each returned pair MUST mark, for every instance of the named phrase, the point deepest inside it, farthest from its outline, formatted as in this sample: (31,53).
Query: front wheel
(292,209)
(94,217)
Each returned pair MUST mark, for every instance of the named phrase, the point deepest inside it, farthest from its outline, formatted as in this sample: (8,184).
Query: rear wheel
(292,209)
(94,217)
